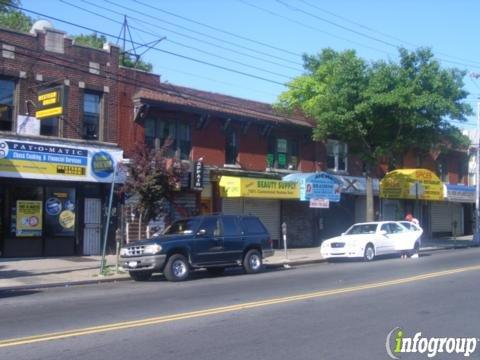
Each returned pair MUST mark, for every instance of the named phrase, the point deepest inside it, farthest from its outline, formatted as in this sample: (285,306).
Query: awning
(460,193)
(420,184)
(318,185)
(232,186)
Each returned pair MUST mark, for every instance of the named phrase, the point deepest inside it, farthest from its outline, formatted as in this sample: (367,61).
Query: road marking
(224,309)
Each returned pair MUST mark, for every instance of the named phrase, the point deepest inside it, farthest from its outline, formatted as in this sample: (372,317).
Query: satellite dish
(41,25)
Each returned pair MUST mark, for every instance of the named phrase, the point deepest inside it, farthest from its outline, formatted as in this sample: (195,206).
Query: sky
(252,48)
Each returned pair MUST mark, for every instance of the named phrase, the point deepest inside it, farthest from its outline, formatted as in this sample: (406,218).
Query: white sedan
(367,240)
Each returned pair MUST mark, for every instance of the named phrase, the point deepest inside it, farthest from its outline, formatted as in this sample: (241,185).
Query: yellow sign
(412,184)
(49,103)
(29,218)
(67,219)
(48,113)
(231,186)
(37,167)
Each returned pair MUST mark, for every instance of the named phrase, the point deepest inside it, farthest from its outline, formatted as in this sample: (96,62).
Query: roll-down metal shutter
(268,211)
(444,214)
(232,206)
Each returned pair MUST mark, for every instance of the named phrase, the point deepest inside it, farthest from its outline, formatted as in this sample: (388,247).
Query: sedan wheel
(369,254)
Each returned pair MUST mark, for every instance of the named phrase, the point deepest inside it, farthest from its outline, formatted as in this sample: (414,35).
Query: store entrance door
(93,226)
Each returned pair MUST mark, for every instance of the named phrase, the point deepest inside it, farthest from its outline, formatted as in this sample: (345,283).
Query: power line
(180,44)
(220,30)
(270,55)
(275,14)
(143,22)
(154,48)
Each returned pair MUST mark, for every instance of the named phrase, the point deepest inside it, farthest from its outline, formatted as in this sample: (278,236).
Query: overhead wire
(183,45)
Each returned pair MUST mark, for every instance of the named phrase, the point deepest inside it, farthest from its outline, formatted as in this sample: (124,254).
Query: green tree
(380,109)
(96,41)
(152,176)
(14,19)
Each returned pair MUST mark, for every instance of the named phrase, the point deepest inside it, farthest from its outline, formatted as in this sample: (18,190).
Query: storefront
(260,197)
(316,214)
(53,197)
(415,191)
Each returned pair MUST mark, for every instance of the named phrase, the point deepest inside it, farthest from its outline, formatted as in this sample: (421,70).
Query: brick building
(55,173)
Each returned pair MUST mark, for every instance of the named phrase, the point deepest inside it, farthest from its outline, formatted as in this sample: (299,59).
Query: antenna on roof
(133,51)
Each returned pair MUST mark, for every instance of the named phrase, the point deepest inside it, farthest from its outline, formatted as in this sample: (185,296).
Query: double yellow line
(224,309)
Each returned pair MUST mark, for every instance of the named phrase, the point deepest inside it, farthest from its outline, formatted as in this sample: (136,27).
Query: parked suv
(211,241)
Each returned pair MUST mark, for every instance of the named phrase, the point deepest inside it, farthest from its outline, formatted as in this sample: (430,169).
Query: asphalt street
(342,310)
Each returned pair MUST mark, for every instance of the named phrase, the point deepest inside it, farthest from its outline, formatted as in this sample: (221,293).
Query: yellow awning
(413,184)
(232,186)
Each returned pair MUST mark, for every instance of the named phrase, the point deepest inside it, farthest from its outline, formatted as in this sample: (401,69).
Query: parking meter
(284,235)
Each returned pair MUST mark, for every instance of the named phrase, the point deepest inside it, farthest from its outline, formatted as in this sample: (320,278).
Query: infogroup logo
(398,343)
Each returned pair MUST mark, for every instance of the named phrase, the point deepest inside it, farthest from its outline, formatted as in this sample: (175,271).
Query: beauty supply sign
(32,160)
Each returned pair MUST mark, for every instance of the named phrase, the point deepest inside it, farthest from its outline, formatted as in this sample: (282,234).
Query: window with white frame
(337,153)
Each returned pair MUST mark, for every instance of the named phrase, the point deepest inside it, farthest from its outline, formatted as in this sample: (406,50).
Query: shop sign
(316,186)
(231,186)
(411,184)
(460,193)
(29,218)
(198,175)
(32,160)
(319,203)
(50,103)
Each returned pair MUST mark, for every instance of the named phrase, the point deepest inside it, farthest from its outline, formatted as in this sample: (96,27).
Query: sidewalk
(26,273)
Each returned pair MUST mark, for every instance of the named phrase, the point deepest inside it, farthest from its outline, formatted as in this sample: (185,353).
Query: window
(175,135)
(253,226)
(211,226)
(230,227)
(7,91)
(337,153)
(91,115)
(49,127)
(442,168)
(282,153)
(231,147)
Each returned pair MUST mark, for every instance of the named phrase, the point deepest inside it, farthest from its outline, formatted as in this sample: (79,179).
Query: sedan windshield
(362,229)
(183,227)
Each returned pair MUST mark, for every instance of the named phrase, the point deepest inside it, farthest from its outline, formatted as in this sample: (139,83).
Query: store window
(337,153)
(91,115)
(283,153)
(7,92)
(49,127)
(173,135)
(231,147)
(26,211)
(60,211)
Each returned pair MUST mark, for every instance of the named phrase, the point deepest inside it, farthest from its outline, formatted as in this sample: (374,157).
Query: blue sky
(249,48)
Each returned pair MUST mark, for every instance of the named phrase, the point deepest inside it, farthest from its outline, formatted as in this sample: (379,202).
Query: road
(323,311)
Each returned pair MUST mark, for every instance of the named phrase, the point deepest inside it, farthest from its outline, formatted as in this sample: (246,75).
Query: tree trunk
(369,197)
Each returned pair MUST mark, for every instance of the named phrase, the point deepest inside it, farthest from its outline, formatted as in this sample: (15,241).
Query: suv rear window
(252,226)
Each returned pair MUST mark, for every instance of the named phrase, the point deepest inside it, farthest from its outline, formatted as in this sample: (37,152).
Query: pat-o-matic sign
(50,103)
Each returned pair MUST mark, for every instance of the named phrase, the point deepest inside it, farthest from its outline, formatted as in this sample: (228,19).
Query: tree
(126,59)
(380,109)
(12,18)
(152,177)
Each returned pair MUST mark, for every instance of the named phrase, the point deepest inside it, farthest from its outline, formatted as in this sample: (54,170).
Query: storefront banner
(29,218)
(319,203)
(356,185)
(420,184)
(316,186)
(51,161)
(231,186)
(460,193)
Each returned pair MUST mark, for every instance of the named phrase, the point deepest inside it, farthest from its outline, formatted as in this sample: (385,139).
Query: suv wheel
(140,275)
(252,262)
(177,268)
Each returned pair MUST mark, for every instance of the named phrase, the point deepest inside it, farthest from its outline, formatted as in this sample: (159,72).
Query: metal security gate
(266,209)
(93,226)
(444,216)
